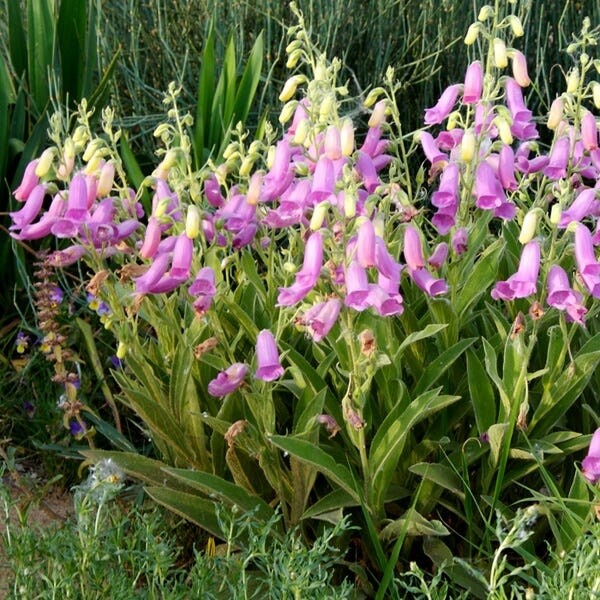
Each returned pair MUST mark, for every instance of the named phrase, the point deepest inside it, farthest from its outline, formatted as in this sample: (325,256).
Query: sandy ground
(42,506)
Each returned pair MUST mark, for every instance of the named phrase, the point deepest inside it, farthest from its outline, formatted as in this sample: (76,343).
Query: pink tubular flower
(182,257)
(308,276)
(357,287)
(29,181)
(519,68)
(473,83)
(590,465)
(152,238)
(77,205)
(439,255)
(459,241)
(413,254)
(365,243)
(524,282)
(446,199)
(489,192)
(427,282)
(31,207)
(506,168)
(583,206)
(432,152)
(320,318)
(563,297)
(589,131)
(228,381)
(585,257)
(146,282)
(444,106)
(267,357)
(384,303)
(559,159)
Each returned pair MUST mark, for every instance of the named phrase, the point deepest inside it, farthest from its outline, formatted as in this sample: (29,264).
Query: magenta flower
(439,255)
(228,381)
(523,283)
(182,257)
(506,168)
(473,83)
(583,206)
(281,174)
(320,318)
(445,198)
(522,126)
(590,465)
(151,239)
(489,191)
(365,243)
(559,159)
(589,131)
(29,181)
(444,106)
(146,283)
(587,265)
(413,254)
(357,287)
(31,207)
(427,282)
(66,257)
(563,297)
(385,303)
(459,241)
(430,148)
(77,203)
(308,276)
(267,357)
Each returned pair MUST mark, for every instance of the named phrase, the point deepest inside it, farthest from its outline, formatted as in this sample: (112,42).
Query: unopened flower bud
(556,113)
(378,115)
(529,227)
(486,12)
(333,143)
(193,222)
(301,132)
(573,81)
(373,96)
(94,146)
(318,216)
(326,108)
(80,137)
(293,59)
(555,214)
(106,179)
(94,163)
(519,68)
(45,162)
(596,94)
(254,187)
(504,130)
(287,112)
(516,26)
(467,146)
(121,350)
(247,165)
(472,34)
(350,204)
(379,226)
(347,137)
(500,54)
(320,72)
(290,87)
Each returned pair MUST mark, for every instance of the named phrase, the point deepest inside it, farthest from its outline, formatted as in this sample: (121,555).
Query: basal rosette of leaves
(310,324)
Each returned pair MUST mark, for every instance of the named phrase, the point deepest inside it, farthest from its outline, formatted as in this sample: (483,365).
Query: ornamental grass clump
(314,324)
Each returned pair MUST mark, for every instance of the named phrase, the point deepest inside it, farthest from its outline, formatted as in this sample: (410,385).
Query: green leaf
(16,38)
(5,99)
(481,393)
(330,506)
(71,35)
(40,45)
(388,442)
(249,82)
(428,331)
(318,458)
(97,97)
(413,524)
(491,367)
(496,435)
(190,507)
(440,365)
(441,475)
(142,468)
(204,100)
(212,485)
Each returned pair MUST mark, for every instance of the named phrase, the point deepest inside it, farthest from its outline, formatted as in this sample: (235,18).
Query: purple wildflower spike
(523,283)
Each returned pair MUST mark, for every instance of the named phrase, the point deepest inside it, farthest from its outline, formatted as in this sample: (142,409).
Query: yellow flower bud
(596,94)
(472,34)
(293,59)
(254,187)
(289,88)
(94,163)
(326,108)
(192,222)
(287,112)
(486,12)
(556,113)
(467,146)
(500,54)
(247,165)
(301,132)
(573,81)
(504,130)
(529,226)
(106,179)
(94,146)
(318,216)
(373,96)
(555,214)
(121,350)
(379,226)
(516,26)
(350,199)
(378,115)
(45,162)
(347,137)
